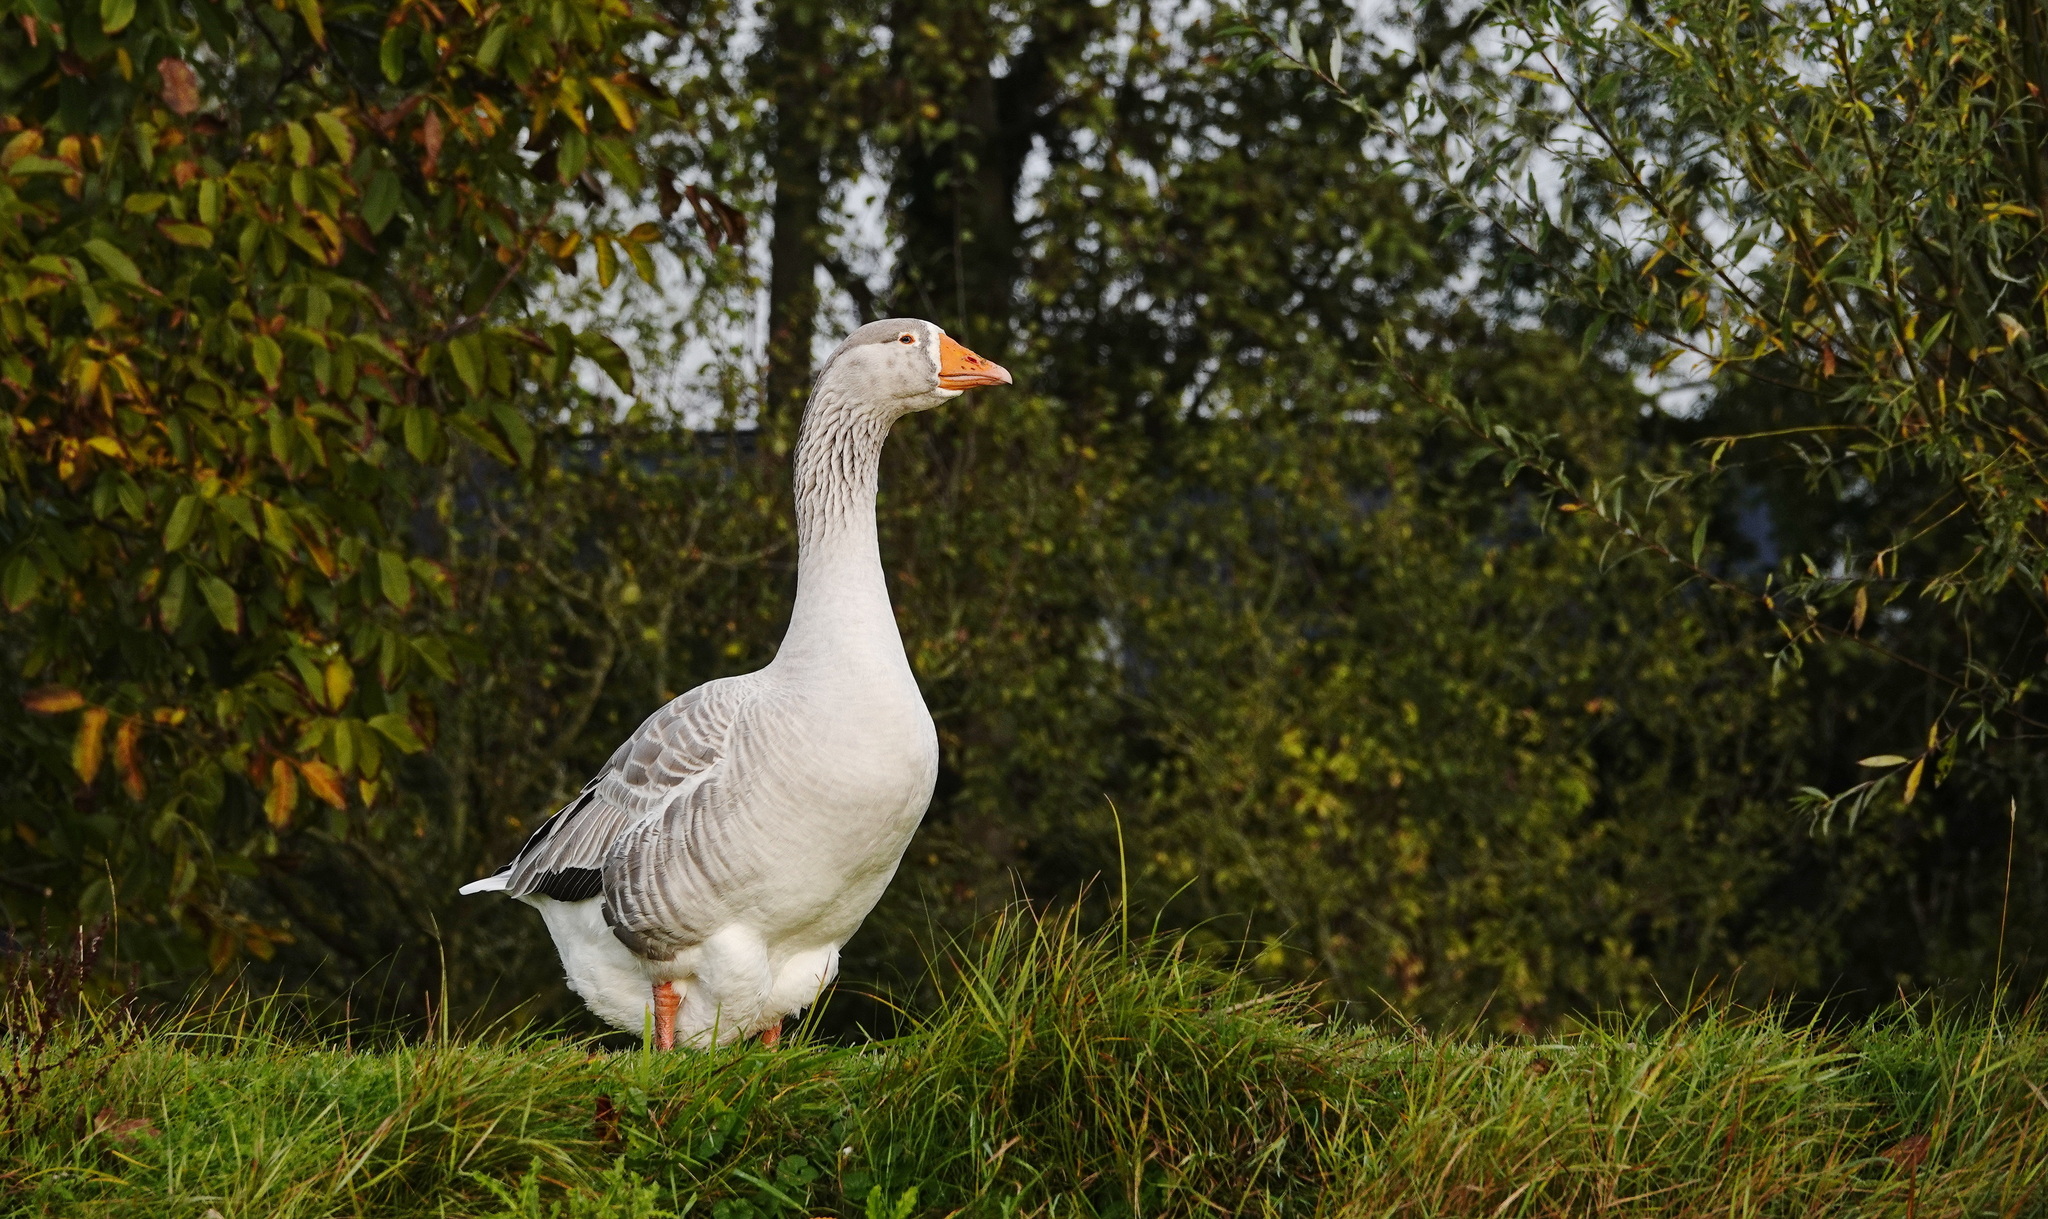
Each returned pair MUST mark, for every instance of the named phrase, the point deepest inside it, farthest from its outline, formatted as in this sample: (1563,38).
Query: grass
(1061,1074)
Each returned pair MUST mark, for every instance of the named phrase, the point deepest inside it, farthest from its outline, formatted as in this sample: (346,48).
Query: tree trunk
(795,250)
(963,249)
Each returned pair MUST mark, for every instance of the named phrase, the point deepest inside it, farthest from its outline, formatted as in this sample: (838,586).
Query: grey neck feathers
(838,455)
(842,623)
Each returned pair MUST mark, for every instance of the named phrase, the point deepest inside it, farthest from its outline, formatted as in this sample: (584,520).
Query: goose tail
(489,884)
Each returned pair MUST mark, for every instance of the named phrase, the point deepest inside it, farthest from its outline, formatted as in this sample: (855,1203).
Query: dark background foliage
(1213,608)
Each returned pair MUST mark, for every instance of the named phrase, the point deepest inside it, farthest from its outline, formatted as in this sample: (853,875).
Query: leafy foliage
(1834,213)
(262,269)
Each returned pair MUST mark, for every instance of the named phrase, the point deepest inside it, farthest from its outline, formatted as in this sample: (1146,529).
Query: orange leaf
(126,760)
(430,139)
(324,782)
(284,794)
(181,85)
(53,700)
(88,750)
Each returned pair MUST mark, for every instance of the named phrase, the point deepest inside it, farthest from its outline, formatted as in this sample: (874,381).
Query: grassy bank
(1061,1075)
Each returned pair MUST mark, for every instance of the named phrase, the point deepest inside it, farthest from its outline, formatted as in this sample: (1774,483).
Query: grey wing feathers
(664,875)
(671,752)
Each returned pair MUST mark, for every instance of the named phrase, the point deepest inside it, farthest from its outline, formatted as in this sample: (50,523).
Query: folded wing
(672,752)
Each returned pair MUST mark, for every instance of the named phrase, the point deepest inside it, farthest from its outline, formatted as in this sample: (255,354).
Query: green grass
(1060,1074)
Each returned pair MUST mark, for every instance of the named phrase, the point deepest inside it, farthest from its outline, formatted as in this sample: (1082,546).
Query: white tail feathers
(489,884)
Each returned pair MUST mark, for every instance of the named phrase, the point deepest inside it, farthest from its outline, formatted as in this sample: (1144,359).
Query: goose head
(900,365)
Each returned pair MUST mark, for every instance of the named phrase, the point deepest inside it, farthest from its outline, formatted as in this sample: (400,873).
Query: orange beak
(960,368)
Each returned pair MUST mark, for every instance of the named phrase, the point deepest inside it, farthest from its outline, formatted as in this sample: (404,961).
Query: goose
(702,883)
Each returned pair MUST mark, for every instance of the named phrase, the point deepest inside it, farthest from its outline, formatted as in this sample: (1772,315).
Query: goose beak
(960,368)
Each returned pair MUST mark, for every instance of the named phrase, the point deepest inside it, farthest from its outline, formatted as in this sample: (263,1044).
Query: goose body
(701,885)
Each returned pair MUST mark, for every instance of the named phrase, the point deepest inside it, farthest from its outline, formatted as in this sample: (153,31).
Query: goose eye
(907,339)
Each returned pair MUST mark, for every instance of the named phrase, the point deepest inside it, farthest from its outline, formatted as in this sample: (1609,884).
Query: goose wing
(674,751)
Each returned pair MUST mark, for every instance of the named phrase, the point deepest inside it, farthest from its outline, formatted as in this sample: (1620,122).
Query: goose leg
(666,1001)
(771,1034)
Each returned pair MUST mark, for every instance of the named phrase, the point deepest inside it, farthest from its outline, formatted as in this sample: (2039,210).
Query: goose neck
(837,464)
(842,601)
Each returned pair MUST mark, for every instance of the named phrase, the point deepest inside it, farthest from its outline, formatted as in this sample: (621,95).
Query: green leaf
(515,429)
(607,261)
(338,135)
(184,520)
(466,352)
(116,264)
(171,602)
(483,437)
(310,10)
(435,653)
(392,727)
(221,599)
(643,262)
(187,235)
(241,512)
(488,54)
(1594,330)
(209,201)
(422,434)
(269,357)
(616,155)
(1883,759)
(41,165)
(116,14)
(609,356)
(380,200)
(391,53)
(396,579)
(18,587)
(277,528)
(1699,540)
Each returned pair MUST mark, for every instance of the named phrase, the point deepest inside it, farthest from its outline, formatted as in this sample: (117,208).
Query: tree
(258,270)
(1830,215)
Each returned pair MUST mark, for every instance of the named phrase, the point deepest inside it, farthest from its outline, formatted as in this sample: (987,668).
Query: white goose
(706,878)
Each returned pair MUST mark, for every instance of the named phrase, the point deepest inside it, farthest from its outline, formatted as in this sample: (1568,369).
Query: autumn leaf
(622,110)
(127,758)
(283,796)
(325,783)
(53,700)
(430,140)
(181,85)
(340,683)
(88,749)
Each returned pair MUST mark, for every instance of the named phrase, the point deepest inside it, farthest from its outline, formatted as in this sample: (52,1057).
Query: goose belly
(612,982)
